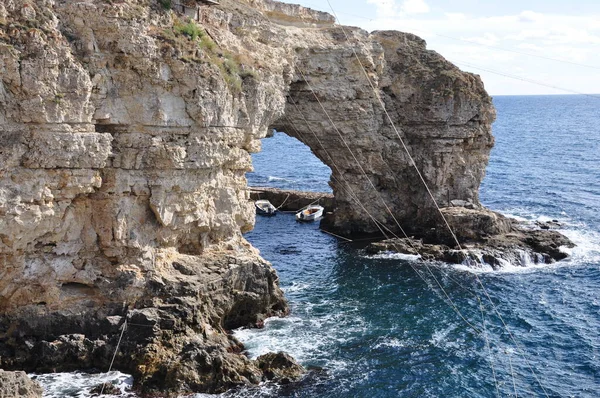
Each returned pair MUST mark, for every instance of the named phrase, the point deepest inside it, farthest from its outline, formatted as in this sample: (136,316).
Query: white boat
(310,213)
(263,206)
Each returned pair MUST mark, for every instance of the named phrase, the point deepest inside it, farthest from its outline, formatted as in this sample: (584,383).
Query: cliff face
(123,194)
(442,114)
(125,134)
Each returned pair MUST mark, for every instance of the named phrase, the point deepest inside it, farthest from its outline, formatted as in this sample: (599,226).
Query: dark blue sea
(389,326)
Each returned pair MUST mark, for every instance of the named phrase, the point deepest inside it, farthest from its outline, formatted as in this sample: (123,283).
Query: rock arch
(443,114)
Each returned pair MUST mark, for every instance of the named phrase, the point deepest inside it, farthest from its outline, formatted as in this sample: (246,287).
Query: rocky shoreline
(177,335)
(125,137)
(486,238)
(18,385)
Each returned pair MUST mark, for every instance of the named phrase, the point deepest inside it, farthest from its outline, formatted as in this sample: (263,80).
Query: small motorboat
(263,206)
(310,213)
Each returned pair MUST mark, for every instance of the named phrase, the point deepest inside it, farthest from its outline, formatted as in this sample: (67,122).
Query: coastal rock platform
(174,335)
(486,238)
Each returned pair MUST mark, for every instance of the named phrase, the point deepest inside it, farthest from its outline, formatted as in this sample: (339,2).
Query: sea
(394,326)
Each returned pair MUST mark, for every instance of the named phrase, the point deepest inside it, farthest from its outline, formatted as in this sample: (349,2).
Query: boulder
(280,367)
(471,225)
(18,385)
(105,389)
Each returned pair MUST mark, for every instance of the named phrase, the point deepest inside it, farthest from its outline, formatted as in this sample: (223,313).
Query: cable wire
(377,94)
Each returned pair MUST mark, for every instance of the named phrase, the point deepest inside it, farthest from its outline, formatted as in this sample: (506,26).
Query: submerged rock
(105,389)
(18,385)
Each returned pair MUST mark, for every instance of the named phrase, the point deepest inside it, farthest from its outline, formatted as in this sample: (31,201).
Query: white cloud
(487,39)
(557,35)
(456,16)
(529,46)
(551,37)
(410,7)
(529,34)
(390,8)
(385,8)
(530,16)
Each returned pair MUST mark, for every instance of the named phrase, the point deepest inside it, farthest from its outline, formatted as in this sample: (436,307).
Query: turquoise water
(380,326)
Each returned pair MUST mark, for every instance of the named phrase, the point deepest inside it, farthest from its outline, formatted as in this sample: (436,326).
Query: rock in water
(280,367)
(486,238)
(105,389)
(18,385)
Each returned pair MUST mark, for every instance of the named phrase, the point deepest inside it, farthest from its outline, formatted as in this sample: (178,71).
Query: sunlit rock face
(125,136)
(338,103)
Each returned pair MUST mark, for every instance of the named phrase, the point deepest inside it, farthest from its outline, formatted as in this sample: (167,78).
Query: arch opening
(285,162)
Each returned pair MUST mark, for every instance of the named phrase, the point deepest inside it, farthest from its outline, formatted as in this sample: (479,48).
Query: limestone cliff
(443,115)
(125,133)
(124,146)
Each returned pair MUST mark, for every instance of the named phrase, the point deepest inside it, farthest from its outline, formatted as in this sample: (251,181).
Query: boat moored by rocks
(310,213)
(265,207)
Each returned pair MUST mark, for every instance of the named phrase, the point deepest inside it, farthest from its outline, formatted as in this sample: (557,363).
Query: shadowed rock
(280,367)
(486,238)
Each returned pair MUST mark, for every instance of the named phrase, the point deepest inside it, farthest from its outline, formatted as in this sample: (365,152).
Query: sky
(525,47)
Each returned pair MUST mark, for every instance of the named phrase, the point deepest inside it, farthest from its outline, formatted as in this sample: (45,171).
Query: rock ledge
(486,237)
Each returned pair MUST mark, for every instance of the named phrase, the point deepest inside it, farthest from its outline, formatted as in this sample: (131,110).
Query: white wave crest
(78,385)
(273,178)
(394,256)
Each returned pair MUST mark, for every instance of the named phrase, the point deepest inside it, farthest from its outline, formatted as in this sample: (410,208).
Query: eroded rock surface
(125,136)
(486,239)
(443,116)
(280,367)
(124,146)
(18,385)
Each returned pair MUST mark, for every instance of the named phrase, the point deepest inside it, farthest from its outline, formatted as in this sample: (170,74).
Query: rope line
(527,80)
(429,192)
(349,191)
(520,52)
(123,327)
(282,203)
(423,33)
(377,94)
(337,236)
(447,297)
(512,371)
(489,348)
